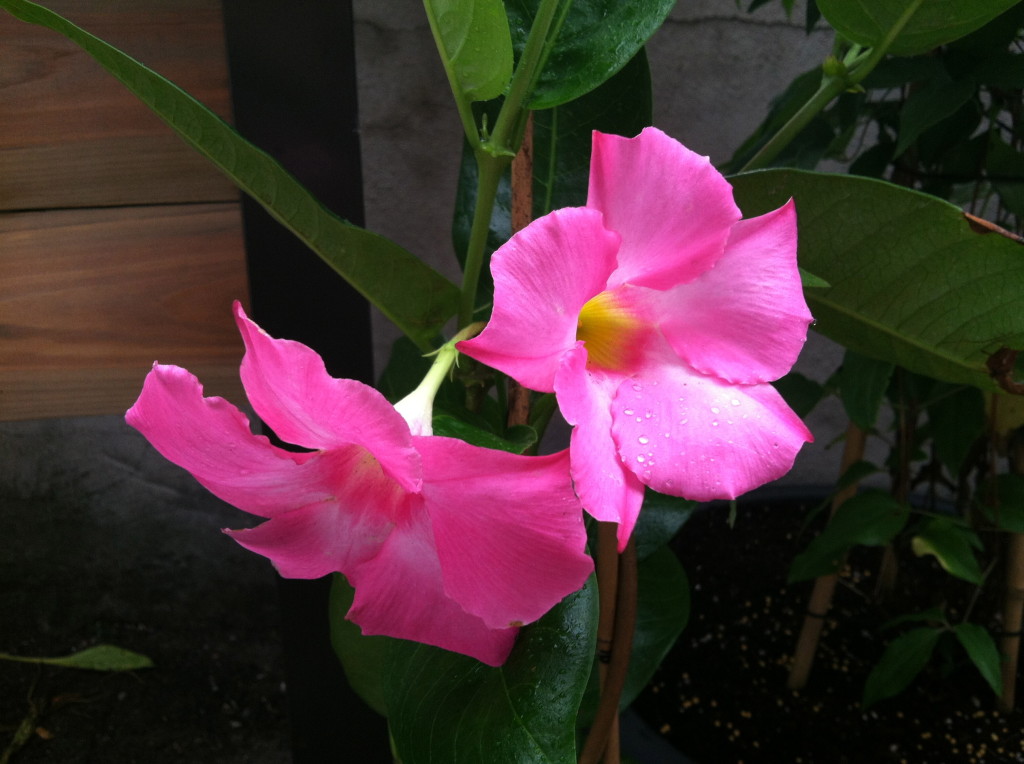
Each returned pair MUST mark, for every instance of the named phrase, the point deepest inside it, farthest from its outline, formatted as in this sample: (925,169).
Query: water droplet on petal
(735,401)
(642,440)
(628,412)
(714,409)
(714,423)
(637,387)
(640,458)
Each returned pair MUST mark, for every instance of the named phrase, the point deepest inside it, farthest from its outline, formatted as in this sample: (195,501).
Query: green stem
(489,171)
(831,86)
(494,154)
(508,128)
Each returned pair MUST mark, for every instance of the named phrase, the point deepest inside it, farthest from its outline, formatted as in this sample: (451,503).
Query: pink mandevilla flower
(658,318)
(444,542)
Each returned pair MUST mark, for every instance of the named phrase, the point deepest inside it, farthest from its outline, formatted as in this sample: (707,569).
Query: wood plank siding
(119,245)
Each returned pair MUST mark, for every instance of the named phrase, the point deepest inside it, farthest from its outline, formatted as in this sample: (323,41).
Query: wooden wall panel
(89,299)
(119,245)
(71,135)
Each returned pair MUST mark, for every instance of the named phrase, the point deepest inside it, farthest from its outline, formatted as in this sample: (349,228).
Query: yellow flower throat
(612,334)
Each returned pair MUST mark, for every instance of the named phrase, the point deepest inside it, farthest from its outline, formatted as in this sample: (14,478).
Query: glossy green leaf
(900,664)
(911,282)
(95,658)
(597,39)
(517,440)
(661,517)
(414,296)
(872,518)
(475,44)
(364,659)
(449,709)
(862,385)
(982,651)
(663,608)
(935,23)
(951,543)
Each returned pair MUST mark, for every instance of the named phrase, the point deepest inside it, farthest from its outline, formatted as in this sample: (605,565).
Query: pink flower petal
(341,532)
(745,320)
(671,207)
(400,593)
(607,490)
(542,277)
(685,434)
(508,528)
(291,391)
(211,439)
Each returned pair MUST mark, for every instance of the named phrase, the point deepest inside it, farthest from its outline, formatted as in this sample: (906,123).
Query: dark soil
(112,547)
(721,694)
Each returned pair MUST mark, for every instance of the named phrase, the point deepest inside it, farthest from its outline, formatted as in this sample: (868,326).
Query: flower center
(613,334)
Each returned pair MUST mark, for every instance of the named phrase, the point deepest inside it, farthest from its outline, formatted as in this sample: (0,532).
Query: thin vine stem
(854,69)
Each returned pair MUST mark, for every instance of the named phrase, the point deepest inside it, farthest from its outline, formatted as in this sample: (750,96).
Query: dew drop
(667,434)
(637,387)
(714,423)
(735,401)
(642,440)
(682,421)
(628,412)
(714,409)
(640,458)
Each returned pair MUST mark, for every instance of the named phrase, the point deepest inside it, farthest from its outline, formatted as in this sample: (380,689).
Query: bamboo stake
(825,586)
(1013,605)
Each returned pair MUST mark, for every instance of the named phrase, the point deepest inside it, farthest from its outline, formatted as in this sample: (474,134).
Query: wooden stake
(1013,605)
(824,586)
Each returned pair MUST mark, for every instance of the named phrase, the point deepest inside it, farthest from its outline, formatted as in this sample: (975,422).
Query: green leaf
(811,280)
(414,296)
(364,659)
(862,385)
(475,44)
(1008,514)
(872,518)
(663,608)
(902,661)
(929,106)
(955,422)
(935,23)
(802,394)
(95,658)
(911,282)
(951,544)
(447,708)
(517,440)
(475,707)
(661,517)
(597,39)
(982,651)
